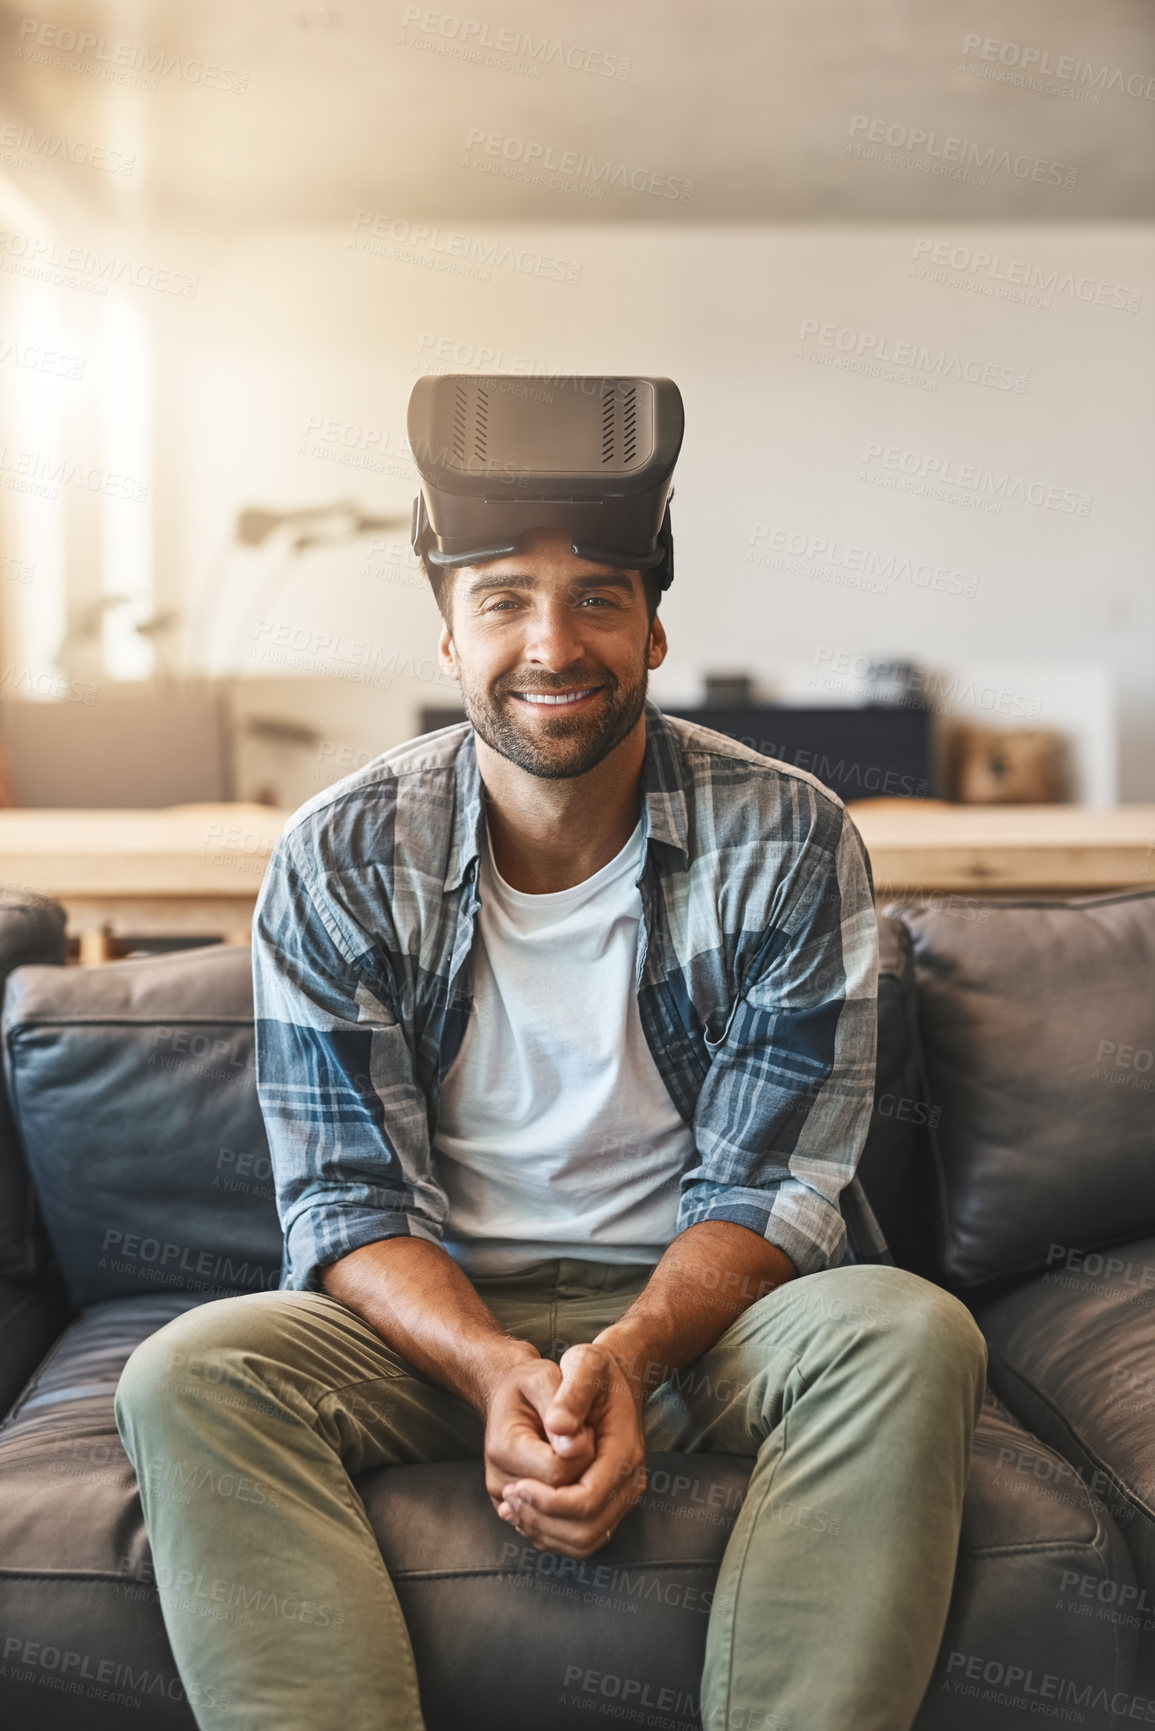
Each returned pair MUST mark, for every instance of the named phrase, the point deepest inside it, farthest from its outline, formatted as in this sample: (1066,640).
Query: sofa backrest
(1038,1035)
(32,929)
(135,1093)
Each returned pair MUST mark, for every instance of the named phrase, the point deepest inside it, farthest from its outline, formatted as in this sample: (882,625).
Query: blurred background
(899,259)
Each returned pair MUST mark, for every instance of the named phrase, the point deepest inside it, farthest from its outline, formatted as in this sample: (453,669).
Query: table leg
(94,946)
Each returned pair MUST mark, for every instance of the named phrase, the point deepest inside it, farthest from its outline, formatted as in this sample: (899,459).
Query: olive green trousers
(856,1390)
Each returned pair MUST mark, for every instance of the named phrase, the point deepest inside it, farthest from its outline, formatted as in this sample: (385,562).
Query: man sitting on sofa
(565,1048)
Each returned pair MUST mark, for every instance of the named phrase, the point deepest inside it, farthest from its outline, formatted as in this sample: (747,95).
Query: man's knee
(905,1318)
(193,1360)
(882,1311)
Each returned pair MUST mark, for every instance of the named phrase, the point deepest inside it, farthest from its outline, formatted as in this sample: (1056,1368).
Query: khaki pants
(857,1390)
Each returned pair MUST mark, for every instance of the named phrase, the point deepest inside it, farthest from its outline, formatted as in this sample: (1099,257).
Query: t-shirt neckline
(557,898)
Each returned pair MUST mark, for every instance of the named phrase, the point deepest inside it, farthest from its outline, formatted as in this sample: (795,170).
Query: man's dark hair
(441,582)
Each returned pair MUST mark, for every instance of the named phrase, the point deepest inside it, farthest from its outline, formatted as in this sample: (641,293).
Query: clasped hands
(565,1449)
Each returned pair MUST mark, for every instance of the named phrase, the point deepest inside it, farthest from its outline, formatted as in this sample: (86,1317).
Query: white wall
(297,328)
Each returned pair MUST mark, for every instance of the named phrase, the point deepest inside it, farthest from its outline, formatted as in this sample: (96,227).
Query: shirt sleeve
(345,1117)
(784,1112)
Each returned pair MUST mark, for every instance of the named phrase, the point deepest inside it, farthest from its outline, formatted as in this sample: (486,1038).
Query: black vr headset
(500,455)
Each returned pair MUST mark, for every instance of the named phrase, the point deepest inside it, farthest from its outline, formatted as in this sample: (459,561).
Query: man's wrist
(500,1358)
(630,1351)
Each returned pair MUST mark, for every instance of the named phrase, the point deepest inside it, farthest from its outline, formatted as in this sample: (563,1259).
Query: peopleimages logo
(22,147)
(452,250)
(1067,68)
(937,153)
(1022,1686)
(945,694)
(474,39)
(81,267)
(573,168)
(100,1679)
(35,359)
(130,63)
(877,567)
(45,474)
(1012,278)
(939,363)
(972,478)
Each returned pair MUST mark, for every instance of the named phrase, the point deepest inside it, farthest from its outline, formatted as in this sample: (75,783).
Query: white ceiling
(753,102)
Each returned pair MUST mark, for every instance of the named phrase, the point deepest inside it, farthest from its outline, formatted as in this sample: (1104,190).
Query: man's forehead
(543,556)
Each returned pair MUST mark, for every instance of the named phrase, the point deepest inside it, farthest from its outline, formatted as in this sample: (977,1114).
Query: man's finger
(514,1441)
(580,1445)
(617,1445)
(571,1537)
(602,1485)
(585,1380)
(520,1452)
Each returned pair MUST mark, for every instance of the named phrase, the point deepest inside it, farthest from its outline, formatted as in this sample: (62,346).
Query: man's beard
(568,746)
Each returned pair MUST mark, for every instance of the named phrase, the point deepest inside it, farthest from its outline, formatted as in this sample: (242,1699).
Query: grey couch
(1011,1158)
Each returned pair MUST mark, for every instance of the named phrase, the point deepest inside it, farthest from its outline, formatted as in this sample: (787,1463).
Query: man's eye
(508,601)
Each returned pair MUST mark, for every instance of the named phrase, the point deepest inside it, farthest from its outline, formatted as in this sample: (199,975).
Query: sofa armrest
(895,1169)
(31,1318)
(32,930)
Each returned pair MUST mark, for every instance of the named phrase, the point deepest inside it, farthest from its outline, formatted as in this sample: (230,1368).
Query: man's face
(553,654)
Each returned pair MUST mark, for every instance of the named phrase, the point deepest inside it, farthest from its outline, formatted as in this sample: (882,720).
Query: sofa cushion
(76,1577)
(83,1637)
(31,930)
(1073,1351)
(1038,1033)
(133,1088)
(465,1599)
(84,1645)
(1034,1552)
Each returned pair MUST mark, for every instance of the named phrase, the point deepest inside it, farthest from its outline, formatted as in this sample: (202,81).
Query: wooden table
(194,870)
(927,845)
(182,871)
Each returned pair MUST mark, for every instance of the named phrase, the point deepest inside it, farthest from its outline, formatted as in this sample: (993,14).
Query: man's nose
(553,636)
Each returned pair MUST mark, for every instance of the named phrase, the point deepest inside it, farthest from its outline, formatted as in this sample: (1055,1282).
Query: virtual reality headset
(500,455)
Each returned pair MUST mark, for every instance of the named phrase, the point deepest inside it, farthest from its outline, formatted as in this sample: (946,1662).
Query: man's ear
(447,654)
(658,644)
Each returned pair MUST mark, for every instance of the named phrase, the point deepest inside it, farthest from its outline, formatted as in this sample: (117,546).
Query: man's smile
(556,699)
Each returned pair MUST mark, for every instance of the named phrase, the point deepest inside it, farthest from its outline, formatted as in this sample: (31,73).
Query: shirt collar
(664,814)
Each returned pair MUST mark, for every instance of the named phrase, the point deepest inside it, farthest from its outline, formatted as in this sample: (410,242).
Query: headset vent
(470,431)
(459,424)
(619,425)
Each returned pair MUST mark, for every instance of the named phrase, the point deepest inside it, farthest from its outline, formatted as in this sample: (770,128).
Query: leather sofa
(1011,1158)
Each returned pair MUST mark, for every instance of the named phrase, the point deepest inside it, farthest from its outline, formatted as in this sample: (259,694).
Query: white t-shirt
(556,1135)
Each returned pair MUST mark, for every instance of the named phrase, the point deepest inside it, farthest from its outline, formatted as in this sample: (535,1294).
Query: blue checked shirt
(756,982)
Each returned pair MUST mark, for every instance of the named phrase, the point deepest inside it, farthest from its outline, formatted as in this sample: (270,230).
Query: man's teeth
(541,697)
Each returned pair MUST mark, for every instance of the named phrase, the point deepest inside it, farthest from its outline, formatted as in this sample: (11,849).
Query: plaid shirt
(756,983)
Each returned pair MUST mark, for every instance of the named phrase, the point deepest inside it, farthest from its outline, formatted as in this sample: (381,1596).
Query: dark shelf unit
(859,753)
